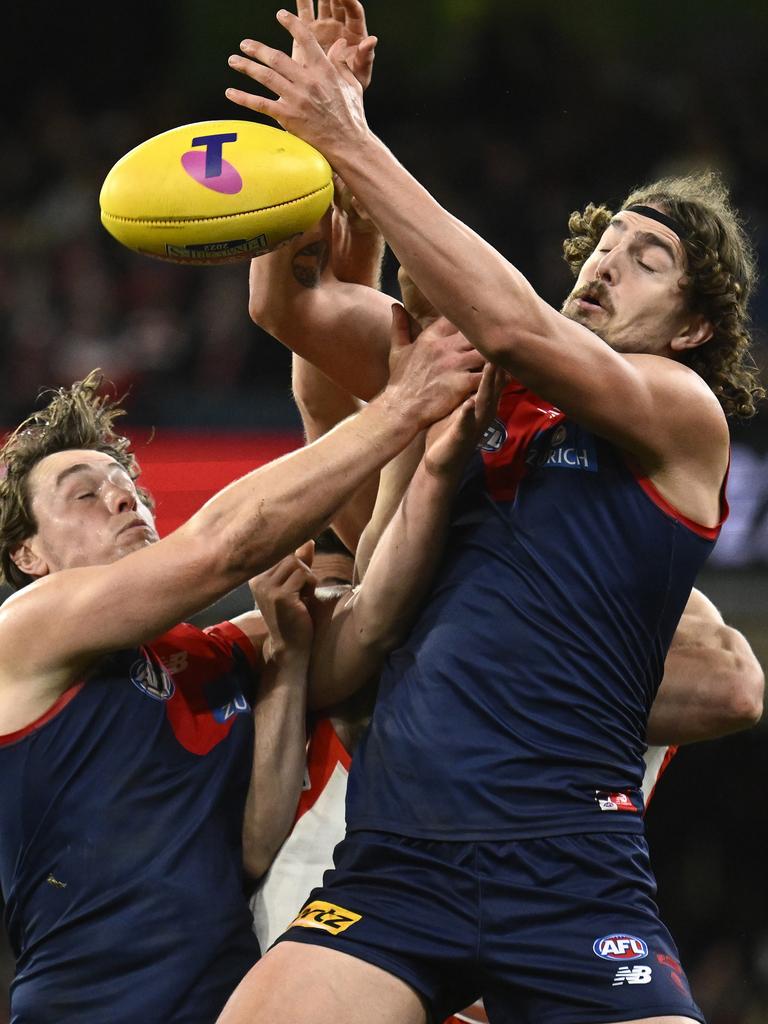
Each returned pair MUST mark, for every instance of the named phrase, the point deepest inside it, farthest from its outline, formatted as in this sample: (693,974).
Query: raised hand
(339,19)
(451,441)
(434,374)
(319,97)
(281,594)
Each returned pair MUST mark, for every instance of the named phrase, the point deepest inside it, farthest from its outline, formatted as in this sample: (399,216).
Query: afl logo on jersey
(620,947)
(494,437)
(152,678)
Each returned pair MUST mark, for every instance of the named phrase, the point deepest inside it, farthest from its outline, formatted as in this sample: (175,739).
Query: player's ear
(695,331)
(26,558)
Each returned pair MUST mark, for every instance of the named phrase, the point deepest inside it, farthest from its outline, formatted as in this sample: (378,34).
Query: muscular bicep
(322,404)
(343,656)
(713,684)
(341,328)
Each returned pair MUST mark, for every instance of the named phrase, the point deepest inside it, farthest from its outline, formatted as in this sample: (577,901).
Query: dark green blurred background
(513,114)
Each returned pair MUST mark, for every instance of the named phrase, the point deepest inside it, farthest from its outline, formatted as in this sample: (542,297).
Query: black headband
(657,215)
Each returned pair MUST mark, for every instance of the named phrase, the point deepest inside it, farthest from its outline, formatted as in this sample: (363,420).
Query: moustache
(597,292)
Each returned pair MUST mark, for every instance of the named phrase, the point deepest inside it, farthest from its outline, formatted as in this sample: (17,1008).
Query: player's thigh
(659,1020)
(296,983)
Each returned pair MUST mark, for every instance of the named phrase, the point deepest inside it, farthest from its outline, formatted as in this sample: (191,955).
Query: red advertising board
(182,470)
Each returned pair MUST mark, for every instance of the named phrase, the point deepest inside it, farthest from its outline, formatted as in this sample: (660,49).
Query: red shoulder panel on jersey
(209,684)
(524,415)
(232,634)
(649,489)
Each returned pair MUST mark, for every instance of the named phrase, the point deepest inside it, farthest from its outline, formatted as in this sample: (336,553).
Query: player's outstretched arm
(279,750)
(356,251)
(365,625)
(357,245)
(322,404)
(661,414)
(56,627)
(313,294)
(398,473)
(393,483)
(713,683)
(339,20)
(339,326)
(416,303)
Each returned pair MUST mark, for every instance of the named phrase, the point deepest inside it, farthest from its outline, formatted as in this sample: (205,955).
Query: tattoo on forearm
(310,262)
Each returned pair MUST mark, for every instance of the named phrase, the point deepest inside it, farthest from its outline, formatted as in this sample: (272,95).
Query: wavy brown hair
(719,281)
(75,417)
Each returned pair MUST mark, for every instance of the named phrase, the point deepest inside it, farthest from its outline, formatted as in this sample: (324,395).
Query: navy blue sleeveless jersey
(517,707)
(121,815)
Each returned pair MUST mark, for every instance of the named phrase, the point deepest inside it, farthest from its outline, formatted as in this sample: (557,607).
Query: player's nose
(120,499)
(607,268)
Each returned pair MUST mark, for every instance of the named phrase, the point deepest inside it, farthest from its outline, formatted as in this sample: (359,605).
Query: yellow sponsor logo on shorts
(327,916)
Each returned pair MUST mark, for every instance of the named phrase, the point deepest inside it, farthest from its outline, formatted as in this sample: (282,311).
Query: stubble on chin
(135,545)
(571,310)
(624,345)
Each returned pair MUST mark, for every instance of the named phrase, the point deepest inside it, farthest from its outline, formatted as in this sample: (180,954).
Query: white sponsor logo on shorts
(620,947)
(637,975)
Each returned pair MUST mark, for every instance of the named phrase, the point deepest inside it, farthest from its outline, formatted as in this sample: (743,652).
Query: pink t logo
(209,168)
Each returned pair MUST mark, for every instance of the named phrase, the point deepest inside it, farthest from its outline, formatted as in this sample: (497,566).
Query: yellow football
(215,192)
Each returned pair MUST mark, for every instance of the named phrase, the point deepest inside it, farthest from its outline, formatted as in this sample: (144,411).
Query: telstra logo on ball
(209,168)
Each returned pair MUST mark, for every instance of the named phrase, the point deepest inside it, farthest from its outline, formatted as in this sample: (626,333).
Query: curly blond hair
(75,417)
(720,276)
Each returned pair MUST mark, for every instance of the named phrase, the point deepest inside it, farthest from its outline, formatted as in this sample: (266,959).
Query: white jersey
(656,761)
(307,853)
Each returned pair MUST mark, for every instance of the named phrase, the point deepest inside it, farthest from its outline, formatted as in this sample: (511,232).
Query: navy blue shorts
(560,930)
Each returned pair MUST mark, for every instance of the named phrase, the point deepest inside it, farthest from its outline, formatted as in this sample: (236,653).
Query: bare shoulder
(671,378)
(689,407)
(23,619)
(27,688)
(690,461)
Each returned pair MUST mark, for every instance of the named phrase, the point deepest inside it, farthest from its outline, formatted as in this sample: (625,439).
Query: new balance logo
(632,976)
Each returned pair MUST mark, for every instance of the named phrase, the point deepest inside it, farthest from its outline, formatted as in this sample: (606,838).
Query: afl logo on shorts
(620,947)
(152,679)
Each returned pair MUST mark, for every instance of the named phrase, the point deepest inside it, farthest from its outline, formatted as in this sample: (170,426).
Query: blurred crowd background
(514,113)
